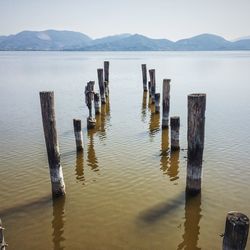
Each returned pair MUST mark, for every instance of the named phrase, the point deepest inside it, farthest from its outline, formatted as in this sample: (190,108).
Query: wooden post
(175,127)
(96,101)
(153,87)
(144,76)
(89,97)
(165,102)
(50,134)
(3,244)
(106,89)
(78,134)
(101,85)
(106,71)
(236,231)
(149,88)
(157,102)
(196,130)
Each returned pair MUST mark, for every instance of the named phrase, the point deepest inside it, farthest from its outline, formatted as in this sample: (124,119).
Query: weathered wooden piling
(157,102)
(144,76)
(78,134)
(175,128)
(153,83)
(101,85)
(89,97)
(106,71)
(97,105)
(165,102)
(52,145)
(3,244)
(149,89)
(106,89)
(196,131)
(236,231)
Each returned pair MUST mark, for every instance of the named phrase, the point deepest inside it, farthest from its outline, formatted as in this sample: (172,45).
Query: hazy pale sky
(172,19)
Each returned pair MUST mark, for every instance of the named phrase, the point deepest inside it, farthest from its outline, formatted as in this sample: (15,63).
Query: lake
(126,191)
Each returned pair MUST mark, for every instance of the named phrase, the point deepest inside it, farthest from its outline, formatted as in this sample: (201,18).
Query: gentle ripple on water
(126,190)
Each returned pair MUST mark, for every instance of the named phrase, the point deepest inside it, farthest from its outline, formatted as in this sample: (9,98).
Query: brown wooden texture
(97,105)
(153,84)
(89,97)
(78,134)
(52,145)
(165,102)
(144,76)
(106,71)
(101,85)
(175,132)
(196,132)
(149,89)
(157,102)
(236,231)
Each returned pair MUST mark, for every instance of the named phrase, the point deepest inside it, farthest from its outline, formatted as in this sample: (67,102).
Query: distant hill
(53,40)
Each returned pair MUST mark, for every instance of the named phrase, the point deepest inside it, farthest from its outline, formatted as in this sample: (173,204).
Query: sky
(171,19)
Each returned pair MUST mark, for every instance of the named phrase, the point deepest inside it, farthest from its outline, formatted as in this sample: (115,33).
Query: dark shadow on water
(159,211)
(58,223)
(36,204)
(144,107)
(79,170)
(92,161)
(191,224)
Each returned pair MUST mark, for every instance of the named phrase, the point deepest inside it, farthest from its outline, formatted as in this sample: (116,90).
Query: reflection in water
(144,107)
(191,224)
(91,157)
(173,169)
(164,150)
(154,123)
(104,120)
(169,160)
(79,171)
(58,222)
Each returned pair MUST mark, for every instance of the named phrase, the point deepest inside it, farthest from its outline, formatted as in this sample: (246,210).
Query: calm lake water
(126,191)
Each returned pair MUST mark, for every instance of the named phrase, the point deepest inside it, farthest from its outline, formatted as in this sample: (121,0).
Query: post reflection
(104,120)
(144,107)
(79,170)
(164,151)
(58,223)
(173,169)
(154,122)
(91,156)
(191,224)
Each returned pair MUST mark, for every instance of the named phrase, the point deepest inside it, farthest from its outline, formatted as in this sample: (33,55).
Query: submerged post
(78,134)
(144,76)
(236,231)
(153,87)
(101,85)
(175,127)
(3,244)
(196,131)
(50,134)
(96,101)
(89,97)
(165,102)
(157,102)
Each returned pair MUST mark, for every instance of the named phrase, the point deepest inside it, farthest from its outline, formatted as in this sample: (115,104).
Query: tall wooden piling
(3,244)
(52,145)
(78,134)
(165,102)
(144,76)
(97,105)
(106,71)
(101,85)
(153,84)
(196,131)
(175,128)
(149,89)
(89,97)
(236,231)
(157,102)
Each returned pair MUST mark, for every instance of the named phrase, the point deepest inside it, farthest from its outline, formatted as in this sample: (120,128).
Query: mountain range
(53,40)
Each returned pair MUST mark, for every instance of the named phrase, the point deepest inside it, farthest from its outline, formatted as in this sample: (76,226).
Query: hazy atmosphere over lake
(138,180)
